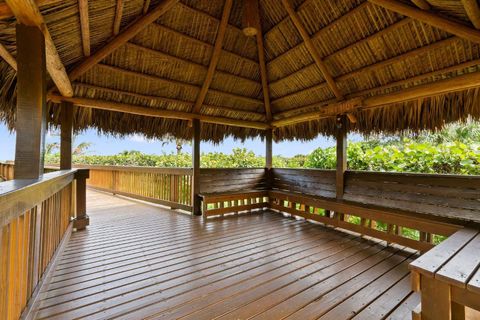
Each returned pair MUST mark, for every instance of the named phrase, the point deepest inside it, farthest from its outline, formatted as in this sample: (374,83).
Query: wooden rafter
(222,28)
(187,86)
(473,12)
(312,49)
(7,56)
(146,5)
(152,112)
(6,12)
(261,59)
(377,65)
(122,38)
(454,84)
(118,17)
(28,13)
(430,18)
(187,104)
(422,4)
(84,26)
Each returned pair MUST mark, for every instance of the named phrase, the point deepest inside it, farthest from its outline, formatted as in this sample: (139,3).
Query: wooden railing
(166,186)
(36,219)
(6,171)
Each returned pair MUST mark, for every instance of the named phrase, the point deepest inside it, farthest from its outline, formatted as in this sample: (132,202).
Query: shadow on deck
(139,261)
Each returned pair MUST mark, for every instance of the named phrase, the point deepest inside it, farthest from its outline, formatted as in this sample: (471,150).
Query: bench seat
(448,276)
(220,203)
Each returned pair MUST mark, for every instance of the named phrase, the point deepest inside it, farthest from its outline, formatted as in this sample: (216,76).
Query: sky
(106,145)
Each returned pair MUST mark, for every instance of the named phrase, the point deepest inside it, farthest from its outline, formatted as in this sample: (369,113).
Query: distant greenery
(454,150)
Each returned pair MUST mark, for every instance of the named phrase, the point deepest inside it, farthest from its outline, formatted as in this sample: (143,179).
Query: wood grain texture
(84,26)
(472,9)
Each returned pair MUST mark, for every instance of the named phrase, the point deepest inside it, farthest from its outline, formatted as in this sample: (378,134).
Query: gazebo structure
(209,69)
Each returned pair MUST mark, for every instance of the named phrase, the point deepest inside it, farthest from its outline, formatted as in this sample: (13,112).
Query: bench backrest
(231,180)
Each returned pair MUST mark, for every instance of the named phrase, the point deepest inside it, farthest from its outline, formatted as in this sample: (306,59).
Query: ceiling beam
(422,4)
(157,113)
(187,104)
(261,59)
(84,26)
(430,18)
(6,12)
(118,17)
(187,86)
(455,84)
(28,13)
(473,12)
(312,49)
(7,56)
(131,31)
(222,28)
(377,65)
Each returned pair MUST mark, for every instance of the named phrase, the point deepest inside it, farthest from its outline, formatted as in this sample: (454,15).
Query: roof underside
(367,51)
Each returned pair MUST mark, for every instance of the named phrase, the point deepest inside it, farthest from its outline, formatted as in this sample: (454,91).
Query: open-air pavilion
(259,243)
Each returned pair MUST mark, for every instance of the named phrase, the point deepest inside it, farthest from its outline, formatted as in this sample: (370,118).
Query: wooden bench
(214,204)
(448,277)
(365,219)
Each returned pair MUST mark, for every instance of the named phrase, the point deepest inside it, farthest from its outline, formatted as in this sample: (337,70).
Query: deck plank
(140,261)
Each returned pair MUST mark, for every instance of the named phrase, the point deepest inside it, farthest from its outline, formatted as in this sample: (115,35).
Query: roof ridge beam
(164,99)
(379,64)
(157,113)
(473,12)
(28,13)
(312,49)
(7,56)
(128,33)
(455,84)
(217,50)
(189,86)
(430,18)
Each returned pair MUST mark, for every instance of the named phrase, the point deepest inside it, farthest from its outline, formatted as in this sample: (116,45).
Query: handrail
(36,219)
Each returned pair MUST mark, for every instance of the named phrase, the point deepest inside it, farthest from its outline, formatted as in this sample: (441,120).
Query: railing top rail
(20,195)
(174,171)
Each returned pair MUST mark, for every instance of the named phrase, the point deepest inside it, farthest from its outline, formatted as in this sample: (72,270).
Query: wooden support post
(435,299)
(196,168)
(66,136)
(268,148)
(341,155)
(81,219)
(31,103)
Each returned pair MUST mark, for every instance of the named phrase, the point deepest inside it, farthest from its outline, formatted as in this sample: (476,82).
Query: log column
(269,157)
(341,155)
(66,136)
(31,103)
(196,208)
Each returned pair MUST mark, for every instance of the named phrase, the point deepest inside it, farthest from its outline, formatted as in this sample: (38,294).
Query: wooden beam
(6,12)
(473,12)
(341,155)
(66,127)
(28,13)
(118,17)
(121,38)
(261,59)
(146,6)
(189,104)
(269,148)
(84,26)
(7,56)
(430,18)
(422,4)
(455,84)
(31,113)
(312,49)
(196,138)
(222,28)
(157,113)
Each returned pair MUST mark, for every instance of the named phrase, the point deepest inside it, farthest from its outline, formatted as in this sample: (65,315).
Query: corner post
(66,136)
(341,155)
(269,158)
(31,114)
(81,219)
(196,208)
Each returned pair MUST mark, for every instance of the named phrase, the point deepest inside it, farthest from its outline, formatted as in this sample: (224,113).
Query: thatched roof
(390,65)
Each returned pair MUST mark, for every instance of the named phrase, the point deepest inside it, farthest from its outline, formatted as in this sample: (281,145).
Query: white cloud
(138,138)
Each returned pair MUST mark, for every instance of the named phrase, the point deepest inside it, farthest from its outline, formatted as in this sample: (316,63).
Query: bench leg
(436,299)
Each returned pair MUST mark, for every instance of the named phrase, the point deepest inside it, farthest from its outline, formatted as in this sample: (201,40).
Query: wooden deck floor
(137,261)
